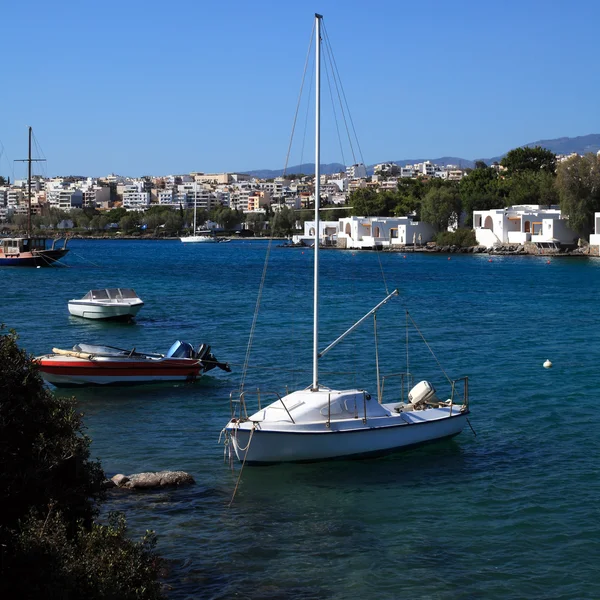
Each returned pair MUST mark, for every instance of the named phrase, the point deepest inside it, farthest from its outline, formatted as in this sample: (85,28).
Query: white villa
(595,237)
(372,232)
(328,231)
(520,224)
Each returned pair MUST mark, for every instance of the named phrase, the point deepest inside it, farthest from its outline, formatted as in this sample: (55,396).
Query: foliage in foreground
(463,238)
(50,546)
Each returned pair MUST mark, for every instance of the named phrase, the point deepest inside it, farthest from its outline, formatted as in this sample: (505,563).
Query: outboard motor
(180,350)
(208,360)
(422,394)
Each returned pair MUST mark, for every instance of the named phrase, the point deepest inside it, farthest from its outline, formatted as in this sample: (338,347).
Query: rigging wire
(337,78)
(310,87)
(255,317)
(428,347)
(335,117)
(299,99)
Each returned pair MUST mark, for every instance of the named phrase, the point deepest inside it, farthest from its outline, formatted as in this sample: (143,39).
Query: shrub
(463,238)
(50,546)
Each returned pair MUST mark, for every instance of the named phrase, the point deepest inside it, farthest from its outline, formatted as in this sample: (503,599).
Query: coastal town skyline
(181,88)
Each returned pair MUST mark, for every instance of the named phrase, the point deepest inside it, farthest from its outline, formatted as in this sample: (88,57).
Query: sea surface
(513,512)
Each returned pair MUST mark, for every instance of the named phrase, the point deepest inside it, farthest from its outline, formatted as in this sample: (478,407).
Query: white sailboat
(319,423)
(194,238)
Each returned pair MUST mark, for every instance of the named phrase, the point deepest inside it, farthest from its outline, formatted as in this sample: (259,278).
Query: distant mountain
(306,169)
(564,145)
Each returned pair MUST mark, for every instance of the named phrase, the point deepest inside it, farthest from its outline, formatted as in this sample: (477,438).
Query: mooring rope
(87,260)
(243,464)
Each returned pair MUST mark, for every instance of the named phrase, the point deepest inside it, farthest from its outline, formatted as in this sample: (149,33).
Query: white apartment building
(134,198)
(194,194)
(356,171)
(14,197)
(166,196)
(64,198)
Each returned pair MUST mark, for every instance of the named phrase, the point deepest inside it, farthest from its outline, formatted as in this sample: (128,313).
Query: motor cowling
(422,393)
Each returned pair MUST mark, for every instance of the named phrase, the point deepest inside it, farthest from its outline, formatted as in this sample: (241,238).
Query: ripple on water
(511,513)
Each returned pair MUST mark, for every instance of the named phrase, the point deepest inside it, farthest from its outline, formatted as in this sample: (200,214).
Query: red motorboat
(89,365)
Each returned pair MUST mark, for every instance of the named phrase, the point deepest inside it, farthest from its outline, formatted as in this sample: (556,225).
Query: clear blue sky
(152,87)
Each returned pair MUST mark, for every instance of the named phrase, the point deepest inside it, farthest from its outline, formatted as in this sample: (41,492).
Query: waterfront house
(328,232)
(522,224)
(382,232)
(595,237)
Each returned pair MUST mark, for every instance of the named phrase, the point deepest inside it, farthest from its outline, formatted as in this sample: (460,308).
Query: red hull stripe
(119,371)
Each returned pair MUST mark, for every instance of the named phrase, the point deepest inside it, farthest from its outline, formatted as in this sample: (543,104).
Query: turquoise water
(511,513)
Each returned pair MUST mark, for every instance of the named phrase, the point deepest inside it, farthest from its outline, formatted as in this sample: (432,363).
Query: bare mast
(315,383)
(29,160)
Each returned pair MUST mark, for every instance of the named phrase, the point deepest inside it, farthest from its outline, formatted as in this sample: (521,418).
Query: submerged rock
(160,479)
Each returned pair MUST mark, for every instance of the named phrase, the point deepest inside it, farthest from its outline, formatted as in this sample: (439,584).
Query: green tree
(463,238)
(50,546)
(441,206)
(367,202)
(529,159)
(127,224)
(255,222)
(283,222)
(530,187)
(578,184)
(479,190)
(480,164)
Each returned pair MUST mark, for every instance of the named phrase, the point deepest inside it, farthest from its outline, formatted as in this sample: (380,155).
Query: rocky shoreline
(431,248)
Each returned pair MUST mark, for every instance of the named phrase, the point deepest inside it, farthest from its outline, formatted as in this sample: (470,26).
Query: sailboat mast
(315,383)
(29,187)
(29,160)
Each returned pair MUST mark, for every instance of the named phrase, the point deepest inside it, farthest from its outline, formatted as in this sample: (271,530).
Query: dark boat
(30,251)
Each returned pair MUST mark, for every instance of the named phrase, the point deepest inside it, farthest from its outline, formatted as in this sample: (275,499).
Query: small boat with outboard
(89,365)
(116,304)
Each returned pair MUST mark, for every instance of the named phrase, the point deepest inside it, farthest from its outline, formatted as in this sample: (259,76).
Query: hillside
(564,145)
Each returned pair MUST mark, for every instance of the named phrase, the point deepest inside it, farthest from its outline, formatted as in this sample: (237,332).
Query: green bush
(50,546)
(463,238)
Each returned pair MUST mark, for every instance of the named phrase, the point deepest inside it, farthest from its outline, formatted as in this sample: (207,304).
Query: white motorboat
(320,423)
(117,304)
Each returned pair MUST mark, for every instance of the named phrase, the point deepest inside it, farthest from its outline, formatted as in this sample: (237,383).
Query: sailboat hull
(348,440)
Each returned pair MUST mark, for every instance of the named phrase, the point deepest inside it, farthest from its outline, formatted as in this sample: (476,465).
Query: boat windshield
(110,294)
(97,295)
(122,293)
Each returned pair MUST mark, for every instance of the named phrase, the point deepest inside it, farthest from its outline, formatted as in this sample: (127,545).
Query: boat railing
(406,382)
(241,410)
(465,393)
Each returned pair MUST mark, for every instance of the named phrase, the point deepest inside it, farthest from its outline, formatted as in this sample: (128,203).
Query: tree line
(528,176)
